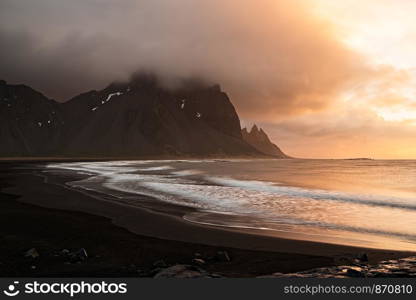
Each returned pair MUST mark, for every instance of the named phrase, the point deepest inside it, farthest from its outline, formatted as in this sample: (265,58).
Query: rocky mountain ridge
(260,141)
(131,119)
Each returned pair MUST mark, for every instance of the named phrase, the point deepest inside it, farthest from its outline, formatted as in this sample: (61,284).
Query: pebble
(198,261)
(400,268)
(182,271)
(33,253)
(223,256)
(160,264)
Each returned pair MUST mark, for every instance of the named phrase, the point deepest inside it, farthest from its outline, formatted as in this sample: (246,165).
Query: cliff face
(259,140)
(30,123)
(140,118)
(125,119)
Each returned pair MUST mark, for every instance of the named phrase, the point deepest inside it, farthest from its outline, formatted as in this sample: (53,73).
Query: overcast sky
(324,78)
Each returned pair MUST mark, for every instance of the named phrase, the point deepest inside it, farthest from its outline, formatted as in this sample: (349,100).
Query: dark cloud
(273,56)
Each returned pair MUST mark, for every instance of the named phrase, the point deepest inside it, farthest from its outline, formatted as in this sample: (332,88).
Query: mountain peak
(149,81)
(258,138)
(254,129)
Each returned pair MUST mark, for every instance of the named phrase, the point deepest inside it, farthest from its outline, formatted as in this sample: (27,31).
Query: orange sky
(375,116)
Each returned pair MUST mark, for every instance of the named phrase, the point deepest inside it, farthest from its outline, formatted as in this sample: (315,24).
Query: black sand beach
(126,241)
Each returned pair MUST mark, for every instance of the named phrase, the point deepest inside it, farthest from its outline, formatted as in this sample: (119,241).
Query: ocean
(367,203)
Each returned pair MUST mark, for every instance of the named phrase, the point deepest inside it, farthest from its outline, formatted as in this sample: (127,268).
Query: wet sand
(125,241)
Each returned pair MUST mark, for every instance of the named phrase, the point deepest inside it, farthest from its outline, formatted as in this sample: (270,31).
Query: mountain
(131,119)
(30,123)
(260,141)
(142,118)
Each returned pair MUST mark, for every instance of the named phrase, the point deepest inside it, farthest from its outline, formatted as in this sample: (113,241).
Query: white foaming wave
(101,168)
(136,184)
(108,168)
(269,208)
(123,166)
(207,197)
(112,168)
(122,178)
(186,172)
(180,191)
(277,224)
(196,160)
(270,203)
(316,194)
(161,168)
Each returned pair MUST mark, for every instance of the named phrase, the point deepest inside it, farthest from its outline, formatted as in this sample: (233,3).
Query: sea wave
(245,203)
(316,194)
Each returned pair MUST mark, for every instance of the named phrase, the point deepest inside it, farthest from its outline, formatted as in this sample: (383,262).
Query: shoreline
(46,159)
(183,214)
(288,255)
